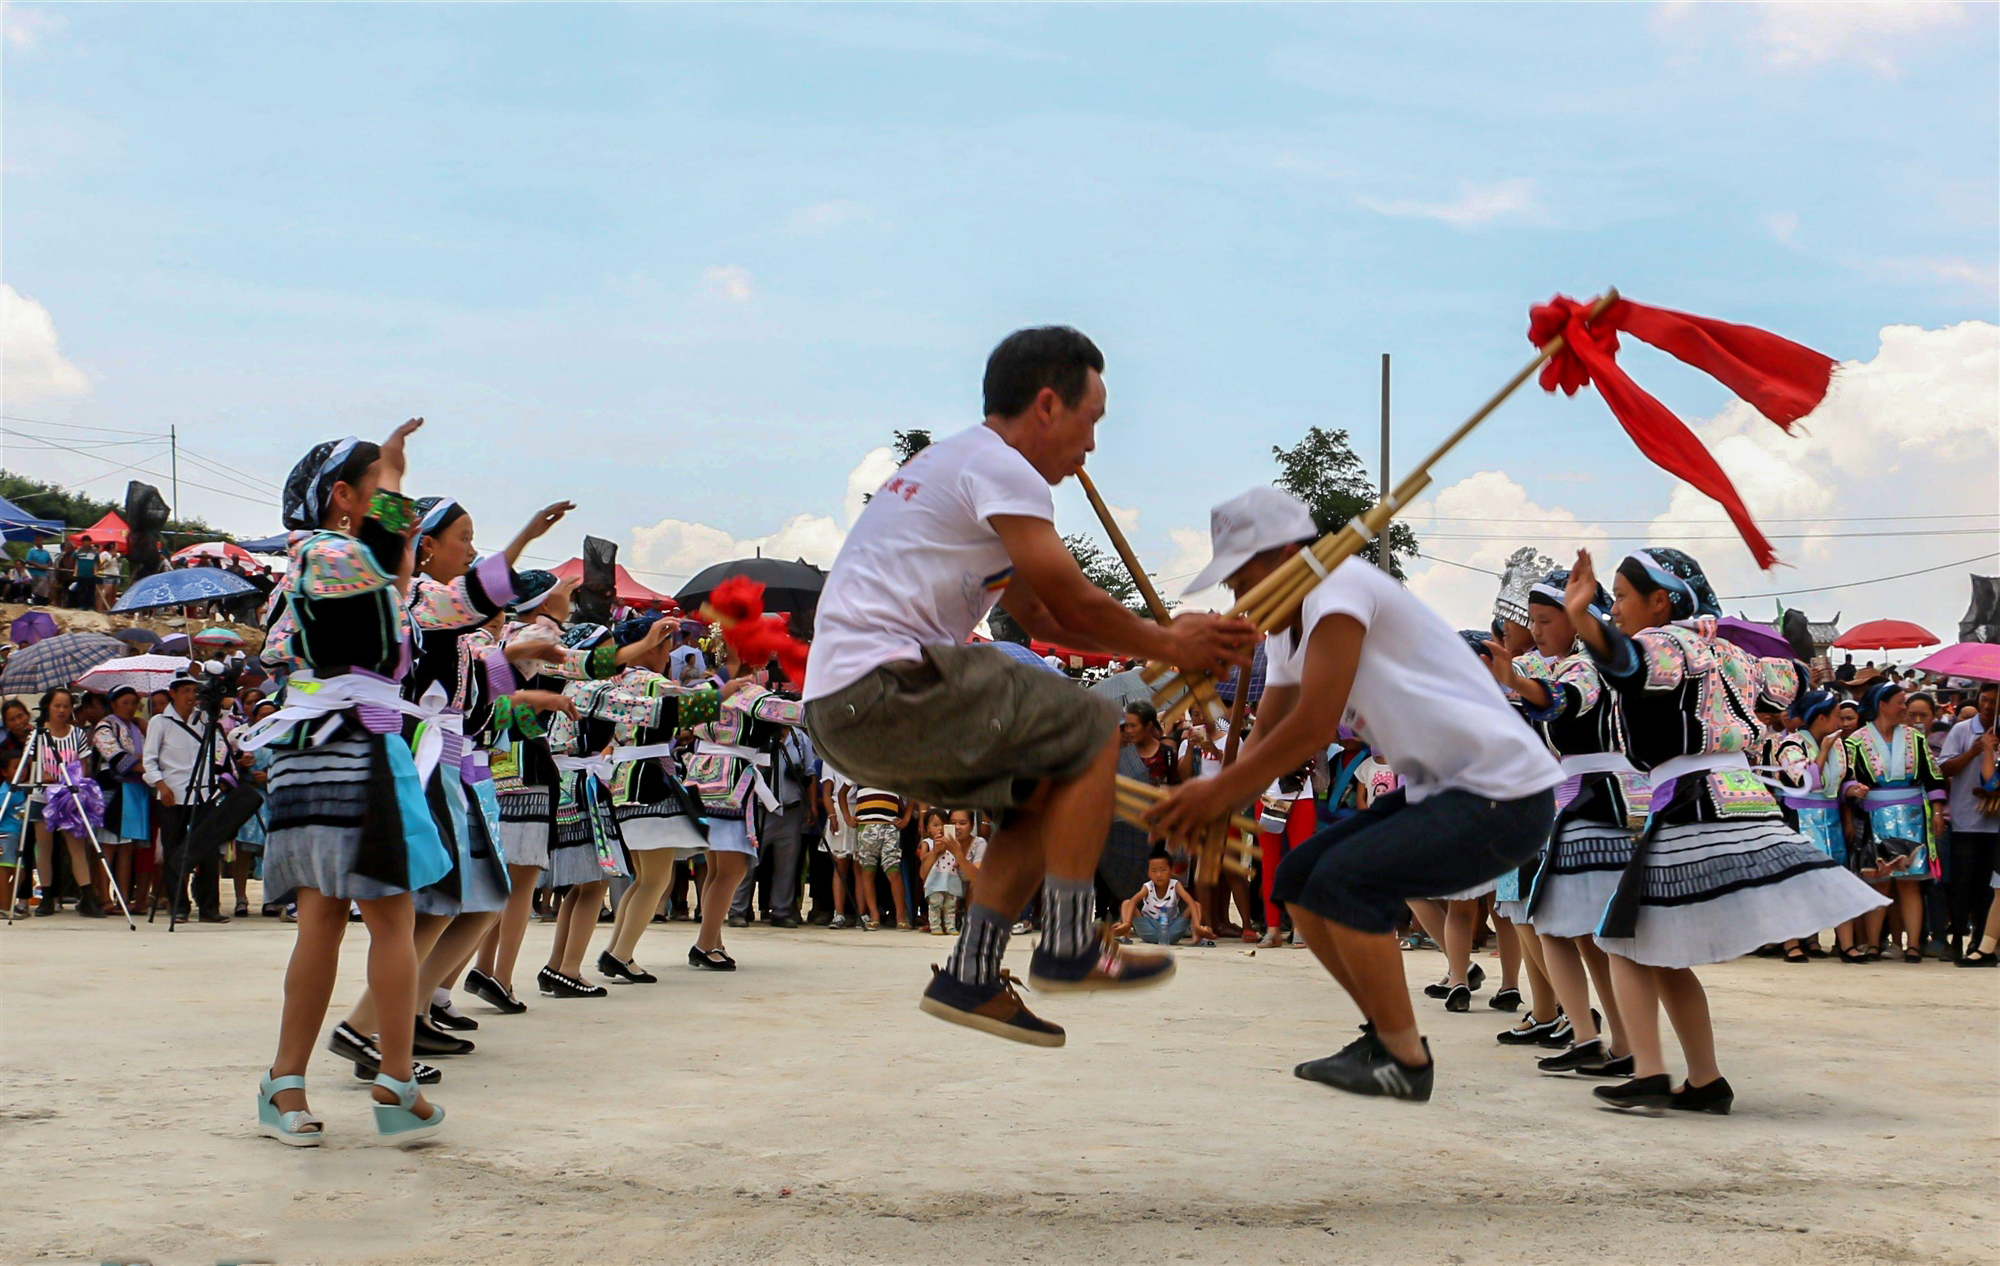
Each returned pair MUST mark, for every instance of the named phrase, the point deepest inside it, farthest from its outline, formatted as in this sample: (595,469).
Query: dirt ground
(803,1110)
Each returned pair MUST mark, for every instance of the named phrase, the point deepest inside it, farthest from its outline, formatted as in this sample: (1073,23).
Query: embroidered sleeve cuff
(497,578)
(1559,698)
(602,661)
(698,707)
(1623,664)
(500,678)
(393,510)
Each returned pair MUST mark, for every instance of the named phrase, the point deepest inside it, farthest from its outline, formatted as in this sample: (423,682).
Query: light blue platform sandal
(399,1120)
(289,1128)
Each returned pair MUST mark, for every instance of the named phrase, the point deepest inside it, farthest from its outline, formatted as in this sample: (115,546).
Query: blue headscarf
(1688,590)
(311,483)
(1872,699)
(1814,704)
(531,587)
(1548,592)
(631,630)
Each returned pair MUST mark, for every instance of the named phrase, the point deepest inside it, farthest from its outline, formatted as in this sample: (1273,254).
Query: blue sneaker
(1105,965)
(995,1009)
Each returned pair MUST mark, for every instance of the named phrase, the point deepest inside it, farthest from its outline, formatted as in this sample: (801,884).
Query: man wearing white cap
(1477,798)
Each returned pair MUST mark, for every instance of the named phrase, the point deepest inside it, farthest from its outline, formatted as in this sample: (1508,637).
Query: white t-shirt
(922,566)
(1210,765)
(1421,697)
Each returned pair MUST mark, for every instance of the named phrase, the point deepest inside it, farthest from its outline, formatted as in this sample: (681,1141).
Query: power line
(1776,536)
(80,426)
(1853,584)
(1813,518)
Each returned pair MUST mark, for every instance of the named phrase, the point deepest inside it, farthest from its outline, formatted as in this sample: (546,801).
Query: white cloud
(680,548)
(24,29)
(1491,505)
(32,366)
(1810,34)
(1804,35)
(1476,205)
(824,217)
(1783,226)
(730,281)
(1191,552)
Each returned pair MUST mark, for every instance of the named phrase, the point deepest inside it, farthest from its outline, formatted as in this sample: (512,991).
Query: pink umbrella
(1978,660)
(215,552)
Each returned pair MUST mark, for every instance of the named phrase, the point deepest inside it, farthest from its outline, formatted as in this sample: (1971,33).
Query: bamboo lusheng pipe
(1205,691)
(1273,601)
(1144,795)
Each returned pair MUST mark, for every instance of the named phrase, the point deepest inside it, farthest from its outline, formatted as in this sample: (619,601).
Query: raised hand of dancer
(538,523)
(655,637)
(533,645)
(394,460)
(1209,643)
(1577,597)
(546,701)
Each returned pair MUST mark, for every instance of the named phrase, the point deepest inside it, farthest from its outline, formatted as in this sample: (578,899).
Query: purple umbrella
(31,628)
(1759,639)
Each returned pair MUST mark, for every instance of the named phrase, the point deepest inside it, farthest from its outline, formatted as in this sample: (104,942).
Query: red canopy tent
(630,592)
(1074,659)
(108,531)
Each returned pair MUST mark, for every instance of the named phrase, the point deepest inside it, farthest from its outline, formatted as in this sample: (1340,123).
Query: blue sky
(691,264)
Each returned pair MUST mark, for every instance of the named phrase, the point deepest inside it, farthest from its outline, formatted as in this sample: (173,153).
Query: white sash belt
(757,762)
(309,698)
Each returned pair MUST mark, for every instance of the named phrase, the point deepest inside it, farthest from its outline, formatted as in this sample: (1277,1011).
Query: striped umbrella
(144,673)
(58,661)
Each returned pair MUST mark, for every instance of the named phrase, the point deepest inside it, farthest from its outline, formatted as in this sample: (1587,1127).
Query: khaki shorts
(965,727)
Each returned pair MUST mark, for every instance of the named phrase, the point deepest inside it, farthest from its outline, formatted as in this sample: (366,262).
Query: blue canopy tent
(17,524)
(268,544)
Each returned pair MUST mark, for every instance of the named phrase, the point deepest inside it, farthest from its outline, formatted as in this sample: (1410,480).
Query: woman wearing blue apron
(1811,769)
(1894,778)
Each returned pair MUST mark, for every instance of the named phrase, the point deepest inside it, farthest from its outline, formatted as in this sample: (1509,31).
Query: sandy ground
(804,1110)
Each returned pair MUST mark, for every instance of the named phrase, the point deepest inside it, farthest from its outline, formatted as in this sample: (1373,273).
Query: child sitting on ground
(1155,912)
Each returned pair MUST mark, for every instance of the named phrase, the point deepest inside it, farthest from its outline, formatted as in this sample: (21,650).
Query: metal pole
(174,458)
(1385,445)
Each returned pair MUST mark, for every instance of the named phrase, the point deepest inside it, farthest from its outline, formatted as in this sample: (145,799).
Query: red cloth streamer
(1781,379)
(737,604)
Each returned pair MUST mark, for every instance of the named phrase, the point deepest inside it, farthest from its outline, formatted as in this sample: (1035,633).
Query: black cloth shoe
(206,916)
(88,907)
(444,1018)
(1368,1069)
(271,909)
(1530,1031)
(46,908)
(1475,978)
(1577,1058)
(1460,999)
(1619,1067)
(1505,1000)
(1564,1034)
(710,960)
(1716,1098)
(349,1044)
(554,984)
(489,991)
(995,1009)
(1438,990)
(430,1040)
(1652,1094)
(784,920)
(609,966)
(737,921)
(1970,958)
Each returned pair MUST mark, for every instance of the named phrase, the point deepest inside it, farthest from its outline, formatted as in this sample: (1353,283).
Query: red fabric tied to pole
(1781,379)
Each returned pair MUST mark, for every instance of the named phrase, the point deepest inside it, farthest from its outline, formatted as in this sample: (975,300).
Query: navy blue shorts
(1360,871)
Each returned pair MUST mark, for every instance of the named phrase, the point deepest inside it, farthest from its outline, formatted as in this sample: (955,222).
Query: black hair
(49,697)
(364,454)
(1159,854)
(13,703)
(1923,695)
(1053,356)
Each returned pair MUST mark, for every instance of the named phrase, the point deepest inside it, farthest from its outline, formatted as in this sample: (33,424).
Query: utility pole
(174,441)
(1380,556)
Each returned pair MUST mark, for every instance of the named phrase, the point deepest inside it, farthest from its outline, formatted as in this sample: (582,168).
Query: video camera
(216,680)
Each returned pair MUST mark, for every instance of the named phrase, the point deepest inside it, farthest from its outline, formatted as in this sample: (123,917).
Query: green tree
(909,443)
(1103,568)
(1324,471)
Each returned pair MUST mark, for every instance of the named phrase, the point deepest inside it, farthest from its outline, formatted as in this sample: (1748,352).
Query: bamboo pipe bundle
(1275,600)
(1135,798)
(1209,857)
(1204,691)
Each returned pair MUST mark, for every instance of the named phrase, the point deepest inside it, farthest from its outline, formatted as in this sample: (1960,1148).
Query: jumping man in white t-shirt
(896,698)
(1476,799)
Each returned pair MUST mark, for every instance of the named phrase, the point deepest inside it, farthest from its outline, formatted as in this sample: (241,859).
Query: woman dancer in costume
(726,770)
(1562,694)
(449,599)
(1894,779)
(348,819)
(1811,764)
(1717,872)
(638,712)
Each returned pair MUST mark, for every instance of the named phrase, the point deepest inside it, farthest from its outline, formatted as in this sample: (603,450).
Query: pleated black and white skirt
(1714,891)
(586,846)
(525,827)
(478,881)
(320,802)
(1578,877)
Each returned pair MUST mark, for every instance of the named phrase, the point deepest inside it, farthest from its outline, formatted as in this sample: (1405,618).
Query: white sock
(441,997)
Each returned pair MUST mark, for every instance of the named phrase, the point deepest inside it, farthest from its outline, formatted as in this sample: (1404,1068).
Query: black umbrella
(788,587)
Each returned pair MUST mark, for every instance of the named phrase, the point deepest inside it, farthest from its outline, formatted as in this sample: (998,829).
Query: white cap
(1245,526)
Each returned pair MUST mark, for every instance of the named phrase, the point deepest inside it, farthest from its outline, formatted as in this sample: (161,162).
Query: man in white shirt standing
(896,699)
(173,745)
(1478,786)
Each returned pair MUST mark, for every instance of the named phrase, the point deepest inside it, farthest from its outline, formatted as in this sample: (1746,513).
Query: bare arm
(1081,612)
(1307,719)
